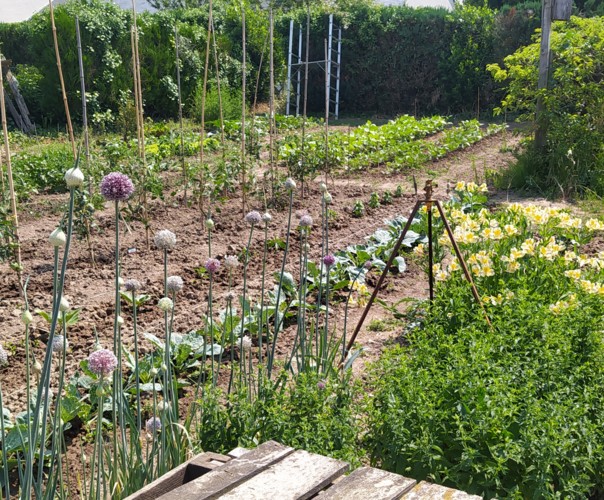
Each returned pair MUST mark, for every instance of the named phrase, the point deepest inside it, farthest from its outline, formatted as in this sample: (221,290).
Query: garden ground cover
(91,289)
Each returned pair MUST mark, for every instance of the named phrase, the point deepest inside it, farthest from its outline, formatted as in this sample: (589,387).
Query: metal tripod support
(429,202)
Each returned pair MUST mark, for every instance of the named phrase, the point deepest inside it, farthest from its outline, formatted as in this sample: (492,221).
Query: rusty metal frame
(430,203)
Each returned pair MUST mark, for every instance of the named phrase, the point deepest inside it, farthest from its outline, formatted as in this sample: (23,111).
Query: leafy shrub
(515,410)
(231,104)
(573,106)
(37,172)
(304,412)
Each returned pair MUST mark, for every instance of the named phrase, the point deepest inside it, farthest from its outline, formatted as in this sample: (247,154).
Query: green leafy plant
(358,209)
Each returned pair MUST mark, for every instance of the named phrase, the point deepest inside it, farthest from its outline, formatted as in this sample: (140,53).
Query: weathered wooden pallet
(275,471)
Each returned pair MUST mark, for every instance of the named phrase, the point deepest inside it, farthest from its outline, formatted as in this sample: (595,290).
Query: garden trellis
(331,65)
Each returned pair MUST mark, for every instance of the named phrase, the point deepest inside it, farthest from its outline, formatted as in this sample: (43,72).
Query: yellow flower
(516,254)
(460,186)
(510,230)
(512,267)
(441,275)
(419,249)
(471,187)
(483,188)
(528,246)
(594,225)
(454,266)
(573,274)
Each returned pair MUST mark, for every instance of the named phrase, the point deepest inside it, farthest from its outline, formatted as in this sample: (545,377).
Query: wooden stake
(11,186)
(63,91)
(271,118)
(305,92)
(182,141)
(135,80)
(203,106)
(544,63)
(326,113)
(243,93)
(222,138)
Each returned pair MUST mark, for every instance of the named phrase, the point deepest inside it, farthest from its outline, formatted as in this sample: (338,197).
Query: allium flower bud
(120,281)
(290,184)
(153,372)
(64,305)
(163,406)
(132,285)
(212,265)
(323,187)
(153,425)
(116,187)
(267,218)
(164,368)
(102,362)
(165,304)
(26,317)
(36,368)
(3,356)
(74,177)
(231,262)
(329,260)
(321,385)
(120,320)
(165,239)
(245,344)
(57,238)
(253,218)
(327,198)
(368,264)
(209,224)
(59,344)
(174,284)
(306,221)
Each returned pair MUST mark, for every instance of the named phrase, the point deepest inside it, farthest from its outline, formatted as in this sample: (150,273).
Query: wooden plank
(237,452)
(297,477)
(427,491)
(185,472)
(230,475)
(369,483)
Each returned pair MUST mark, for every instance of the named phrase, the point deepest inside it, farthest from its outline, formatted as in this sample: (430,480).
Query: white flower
(245,343)
(165,304)
(209,224)
(290,184)
(165,239)
(327,198)
(74,177)
(120,320)
(57,238)
(266,217)
(323,187)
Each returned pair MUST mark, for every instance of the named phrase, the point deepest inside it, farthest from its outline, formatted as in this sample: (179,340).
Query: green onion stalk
(290,186)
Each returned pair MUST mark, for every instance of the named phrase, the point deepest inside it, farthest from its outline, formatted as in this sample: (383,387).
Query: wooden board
(427,491)
(184,473)
(230,475)
(297,477)
(369,483)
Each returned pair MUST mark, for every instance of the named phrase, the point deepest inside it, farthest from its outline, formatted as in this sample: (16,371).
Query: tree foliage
(573,104)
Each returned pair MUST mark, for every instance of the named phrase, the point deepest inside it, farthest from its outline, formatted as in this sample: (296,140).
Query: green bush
(317,415)
(42,172)
(573,158)
(231,104)
(512,411)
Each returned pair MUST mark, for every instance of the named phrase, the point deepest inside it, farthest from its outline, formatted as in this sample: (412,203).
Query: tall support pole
(337,107)
(218,88)
(11,186)
(305,100)
(271,103)
(326,113)
(243,108)
(61,80)
(183,165)
(289,66)
(135,89)
(299,72)
(544,64)
(84,108)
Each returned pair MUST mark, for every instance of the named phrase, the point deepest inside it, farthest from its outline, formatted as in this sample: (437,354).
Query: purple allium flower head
(165,239)
(329,260)
(3,356)
(59,343)
(132,285)
(253,218)
(212,265)
(306,221)
(321,385)
(174,284)
(102,362)
(116,187)
(153,425)
(368,264)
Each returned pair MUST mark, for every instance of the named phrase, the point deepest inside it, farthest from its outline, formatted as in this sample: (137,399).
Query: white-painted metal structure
(331,65)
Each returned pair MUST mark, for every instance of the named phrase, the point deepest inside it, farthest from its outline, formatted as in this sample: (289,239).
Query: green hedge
(394,60)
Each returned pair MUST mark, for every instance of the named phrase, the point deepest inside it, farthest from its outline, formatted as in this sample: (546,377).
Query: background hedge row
(394,60)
